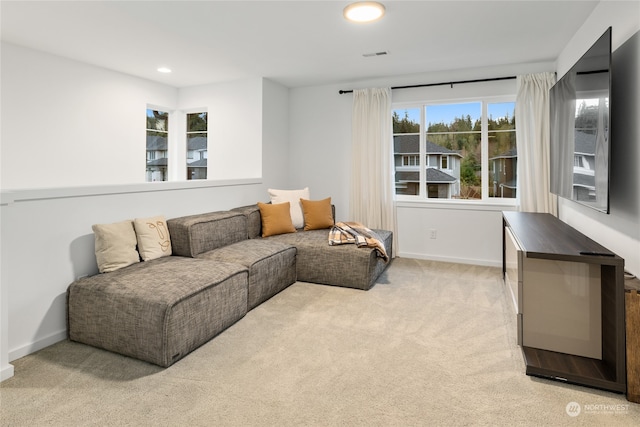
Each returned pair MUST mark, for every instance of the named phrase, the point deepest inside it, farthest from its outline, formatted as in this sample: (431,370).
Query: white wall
(320,138)
(234,144)
(465,233)
(275,139)
(45,224)
(66,123)
(620,230)
(6,370)
(320,144)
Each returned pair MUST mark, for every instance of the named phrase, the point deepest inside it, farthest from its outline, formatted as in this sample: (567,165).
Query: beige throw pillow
(293,197)
(153,237)
(115,245)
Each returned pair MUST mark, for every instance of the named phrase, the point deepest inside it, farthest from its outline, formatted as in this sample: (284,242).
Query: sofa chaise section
(317,262)
(343,265)
(157,311)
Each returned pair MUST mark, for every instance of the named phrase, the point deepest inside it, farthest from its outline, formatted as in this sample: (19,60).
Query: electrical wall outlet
(433,233)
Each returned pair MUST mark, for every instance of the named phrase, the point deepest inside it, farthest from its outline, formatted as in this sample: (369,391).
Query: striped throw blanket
(355,233)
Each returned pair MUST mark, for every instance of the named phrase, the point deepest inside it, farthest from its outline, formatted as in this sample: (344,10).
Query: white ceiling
(296,43)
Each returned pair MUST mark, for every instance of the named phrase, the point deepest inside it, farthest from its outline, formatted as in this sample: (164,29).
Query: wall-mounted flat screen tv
(580,107)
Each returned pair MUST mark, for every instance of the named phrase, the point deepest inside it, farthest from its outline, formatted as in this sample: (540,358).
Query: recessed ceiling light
(364,11)
(164,70)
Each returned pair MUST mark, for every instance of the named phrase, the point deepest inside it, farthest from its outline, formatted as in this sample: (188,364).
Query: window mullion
(177,150)
(423,154)
(484,150)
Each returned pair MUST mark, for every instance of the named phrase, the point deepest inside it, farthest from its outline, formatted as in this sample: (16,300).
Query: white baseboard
(25,350)
(483,262)
(6,372)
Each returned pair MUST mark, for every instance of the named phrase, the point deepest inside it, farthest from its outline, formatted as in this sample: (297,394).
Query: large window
(465,150)
(157,145)
(197,145)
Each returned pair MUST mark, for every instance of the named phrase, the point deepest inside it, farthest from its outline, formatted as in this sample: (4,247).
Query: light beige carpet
(431,344)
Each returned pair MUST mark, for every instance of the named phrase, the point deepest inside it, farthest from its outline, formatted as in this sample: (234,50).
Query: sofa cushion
(196,234)
(276,219)
(317,214)
(254,220)
(293,197)
(153,237)
(115,245)
(271,264)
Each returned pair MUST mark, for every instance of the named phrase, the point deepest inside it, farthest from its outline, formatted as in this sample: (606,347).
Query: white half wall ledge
(461,205)
(8,197)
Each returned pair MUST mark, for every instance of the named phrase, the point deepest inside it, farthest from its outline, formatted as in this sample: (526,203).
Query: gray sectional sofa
(220,268)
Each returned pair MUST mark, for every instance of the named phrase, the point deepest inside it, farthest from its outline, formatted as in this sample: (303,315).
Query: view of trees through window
(590,111)
(451,140)
(503,155)
(197,145)
(157,145)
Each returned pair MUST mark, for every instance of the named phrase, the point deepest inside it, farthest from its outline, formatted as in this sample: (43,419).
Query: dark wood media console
(540,254)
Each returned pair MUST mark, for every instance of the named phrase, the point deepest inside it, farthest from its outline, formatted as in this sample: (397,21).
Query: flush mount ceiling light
(364,11)
(164,70)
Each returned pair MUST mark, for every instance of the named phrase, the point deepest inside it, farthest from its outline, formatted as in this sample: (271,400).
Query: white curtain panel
(532,138)
(372,183)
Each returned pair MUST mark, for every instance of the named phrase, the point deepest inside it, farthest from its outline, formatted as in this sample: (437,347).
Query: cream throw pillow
(293,197)
(153,237)
(115,245)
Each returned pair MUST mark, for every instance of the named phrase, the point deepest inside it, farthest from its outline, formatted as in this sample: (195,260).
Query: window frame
(186,133)
(169,132)
(422,196)
(177,143)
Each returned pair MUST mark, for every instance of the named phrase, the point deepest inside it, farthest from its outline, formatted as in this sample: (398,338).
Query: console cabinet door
(513,276)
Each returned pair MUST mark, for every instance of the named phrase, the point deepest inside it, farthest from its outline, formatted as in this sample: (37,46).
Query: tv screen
(580,107)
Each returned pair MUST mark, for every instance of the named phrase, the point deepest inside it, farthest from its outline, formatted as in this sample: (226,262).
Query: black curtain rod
(443,83)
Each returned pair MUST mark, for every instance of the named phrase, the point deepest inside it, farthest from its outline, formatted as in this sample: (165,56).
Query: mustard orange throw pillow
(276,219)
(317,214)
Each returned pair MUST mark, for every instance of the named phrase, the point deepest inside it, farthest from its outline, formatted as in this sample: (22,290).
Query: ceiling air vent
(367,55)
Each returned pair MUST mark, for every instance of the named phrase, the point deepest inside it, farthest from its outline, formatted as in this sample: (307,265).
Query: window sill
(11,196)
(451,204)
